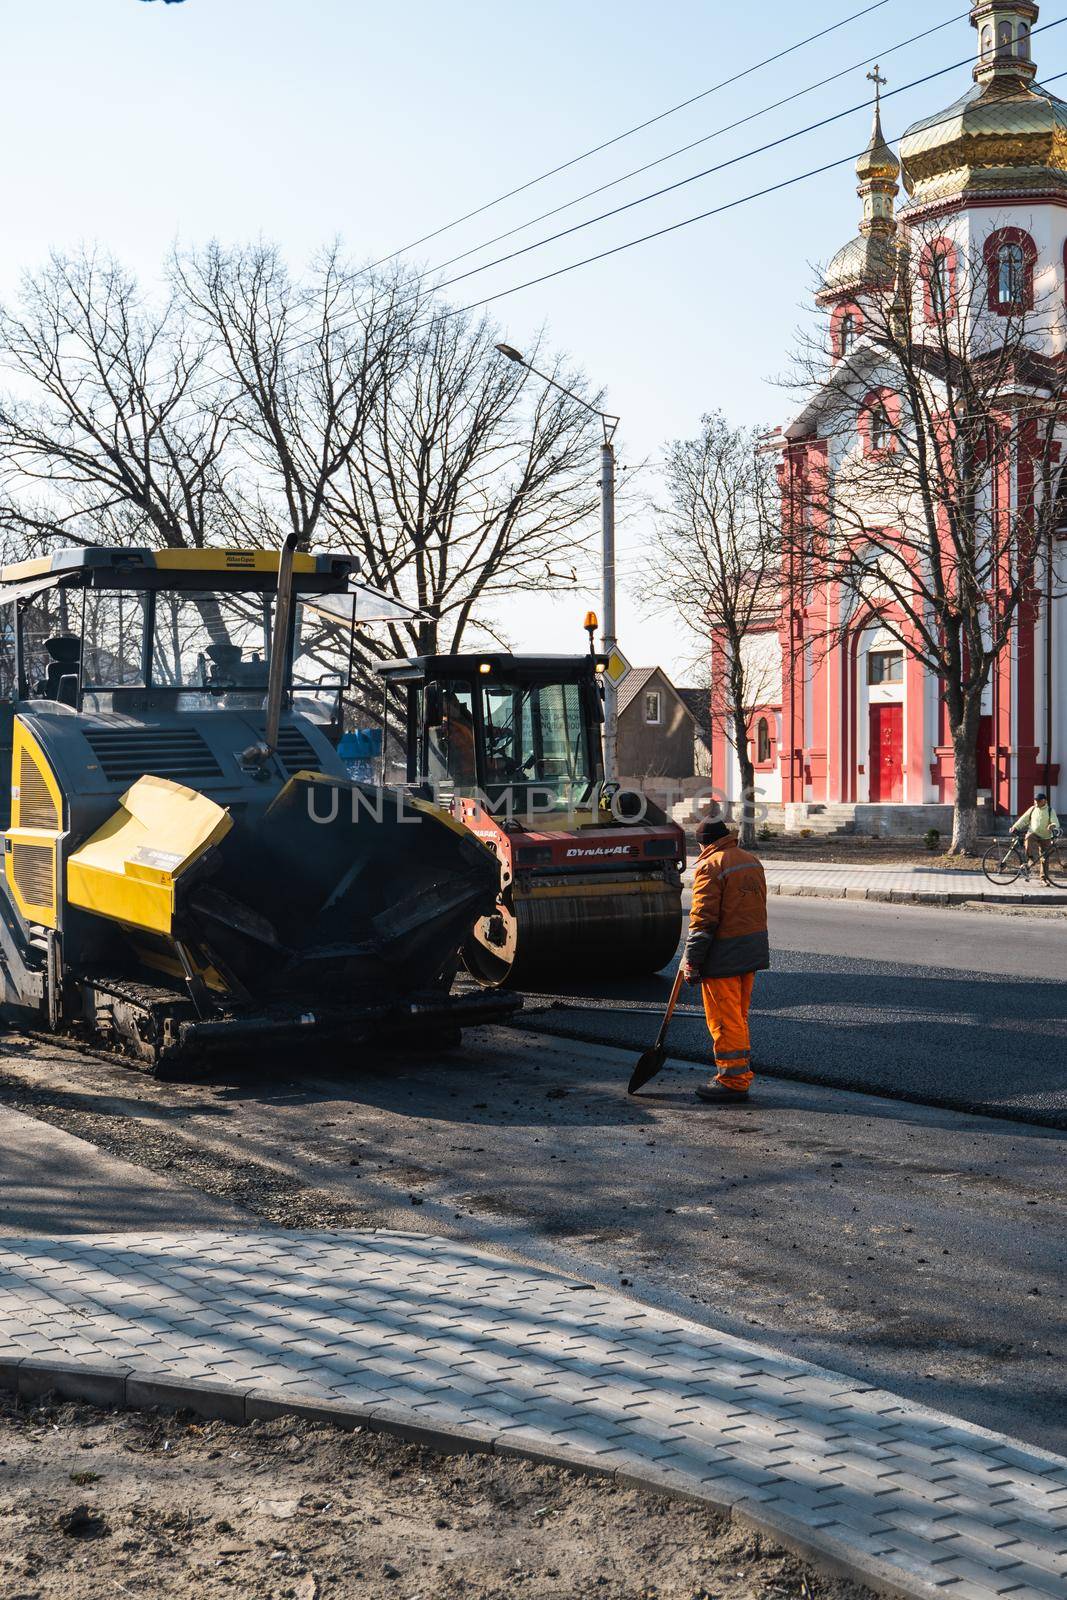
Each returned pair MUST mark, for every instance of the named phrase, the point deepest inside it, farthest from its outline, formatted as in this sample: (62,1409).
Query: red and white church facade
(859,721)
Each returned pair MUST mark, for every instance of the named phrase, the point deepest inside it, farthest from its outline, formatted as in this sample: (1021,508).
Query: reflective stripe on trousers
(726,1004)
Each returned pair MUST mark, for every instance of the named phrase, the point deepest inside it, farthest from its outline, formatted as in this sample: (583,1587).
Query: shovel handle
(671,1003)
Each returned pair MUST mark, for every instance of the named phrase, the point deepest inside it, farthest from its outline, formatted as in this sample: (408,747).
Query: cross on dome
(879,82)
(878,171)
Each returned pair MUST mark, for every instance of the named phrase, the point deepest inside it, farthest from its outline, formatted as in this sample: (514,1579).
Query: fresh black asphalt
(957,1008)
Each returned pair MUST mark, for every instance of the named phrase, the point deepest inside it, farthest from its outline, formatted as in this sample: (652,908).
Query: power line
(729,127)
(674,227)
(628,133)
(776,105)
(658,233)
(706,172)
(656,194)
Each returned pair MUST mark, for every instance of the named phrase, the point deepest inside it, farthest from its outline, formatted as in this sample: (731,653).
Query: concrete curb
(124,1388)
(918,897)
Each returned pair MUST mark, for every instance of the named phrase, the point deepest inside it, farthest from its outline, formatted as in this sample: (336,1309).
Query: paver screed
(421,1332)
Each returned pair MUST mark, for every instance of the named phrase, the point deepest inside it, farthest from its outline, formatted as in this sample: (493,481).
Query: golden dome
(869,261)
(866,262)
(877,163)
(1006,136)
(990,142)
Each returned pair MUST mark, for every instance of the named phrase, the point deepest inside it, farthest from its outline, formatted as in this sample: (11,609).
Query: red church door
(887,754)
(985,753)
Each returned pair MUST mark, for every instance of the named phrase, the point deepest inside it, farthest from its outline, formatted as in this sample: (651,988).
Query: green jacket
(1039,820)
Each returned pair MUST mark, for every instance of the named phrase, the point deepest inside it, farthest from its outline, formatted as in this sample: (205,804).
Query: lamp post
(609,423)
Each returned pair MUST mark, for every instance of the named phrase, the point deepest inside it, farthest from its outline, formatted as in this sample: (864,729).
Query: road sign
(617,668)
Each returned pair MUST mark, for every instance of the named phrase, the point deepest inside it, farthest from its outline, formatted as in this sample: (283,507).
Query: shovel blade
(646,1069)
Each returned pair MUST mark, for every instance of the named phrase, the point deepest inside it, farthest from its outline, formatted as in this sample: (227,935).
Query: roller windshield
(536,734)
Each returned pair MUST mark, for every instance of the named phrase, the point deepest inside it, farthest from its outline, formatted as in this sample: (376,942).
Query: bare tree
(716,564)
(114,428)
(353,408)
(471,480)
(943,423)
(305,358)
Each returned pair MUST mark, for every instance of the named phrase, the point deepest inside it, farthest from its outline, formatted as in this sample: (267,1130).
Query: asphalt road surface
(918,1248)
(964,1009)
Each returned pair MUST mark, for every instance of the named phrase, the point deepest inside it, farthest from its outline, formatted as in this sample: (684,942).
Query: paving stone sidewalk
(436,1338)
(904,884)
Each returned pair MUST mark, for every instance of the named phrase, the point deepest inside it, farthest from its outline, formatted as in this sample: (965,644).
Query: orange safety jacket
(728,920)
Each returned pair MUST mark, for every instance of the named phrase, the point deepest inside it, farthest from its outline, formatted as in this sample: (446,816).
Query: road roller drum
(619,924)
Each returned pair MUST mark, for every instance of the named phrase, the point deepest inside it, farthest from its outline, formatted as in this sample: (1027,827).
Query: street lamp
(609,423)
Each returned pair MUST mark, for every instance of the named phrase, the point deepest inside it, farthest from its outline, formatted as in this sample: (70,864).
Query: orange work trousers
(726,1003)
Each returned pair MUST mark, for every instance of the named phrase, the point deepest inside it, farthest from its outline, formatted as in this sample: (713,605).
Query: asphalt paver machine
(187,865)
(511,745)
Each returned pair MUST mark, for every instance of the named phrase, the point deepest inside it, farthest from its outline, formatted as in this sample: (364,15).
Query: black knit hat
(710,831)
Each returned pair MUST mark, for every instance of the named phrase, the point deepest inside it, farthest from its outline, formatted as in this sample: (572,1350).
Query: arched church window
(940,282)
(881,427)
(1011,275)
(1022,48)
(763,741)
(1004,39)
(847,334)
(987,40)
(1010,258)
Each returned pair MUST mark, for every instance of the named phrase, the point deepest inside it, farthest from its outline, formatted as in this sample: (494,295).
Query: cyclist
(1039,825)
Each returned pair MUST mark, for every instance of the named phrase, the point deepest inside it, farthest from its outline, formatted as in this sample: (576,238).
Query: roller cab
(511,747)
(188,867)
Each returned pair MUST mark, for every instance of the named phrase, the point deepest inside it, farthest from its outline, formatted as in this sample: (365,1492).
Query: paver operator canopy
(511,745)
(187,863)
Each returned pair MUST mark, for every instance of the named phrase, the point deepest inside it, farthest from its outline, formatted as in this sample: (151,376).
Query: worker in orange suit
(727,945)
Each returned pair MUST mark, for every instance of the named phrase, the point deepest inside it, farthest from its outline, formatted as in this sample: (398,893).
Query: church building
(859,721)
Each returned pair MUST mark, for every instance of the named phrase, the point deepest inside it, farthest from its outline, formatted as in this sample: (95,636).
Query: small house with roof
(656,729)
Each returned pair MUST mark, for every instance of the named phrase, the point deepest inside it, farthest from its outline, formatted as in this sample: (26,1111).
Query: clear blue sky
(137,124)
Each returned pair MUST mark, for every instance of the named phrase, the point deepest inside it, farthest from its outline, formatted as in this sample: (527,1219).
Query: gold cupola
(869,261)
(1005,138)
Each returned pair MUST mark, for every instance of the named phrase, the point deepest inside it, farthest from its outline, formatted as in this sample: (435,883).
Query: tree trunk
(745,814)
(965,764)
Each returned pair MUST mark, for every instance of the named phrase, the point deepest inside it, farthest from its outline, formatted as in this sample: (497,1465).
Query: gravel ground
(845,1230)
(258,1187)
(98,1503)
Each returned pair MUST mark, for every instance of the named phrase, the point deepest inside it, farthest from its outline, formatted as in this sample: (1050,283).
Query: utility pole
(1050,559)
(607,530)
(607,533)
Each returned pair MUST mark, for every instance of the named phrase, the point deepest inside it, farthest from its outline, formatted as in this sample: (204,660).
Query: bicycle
(1006,860)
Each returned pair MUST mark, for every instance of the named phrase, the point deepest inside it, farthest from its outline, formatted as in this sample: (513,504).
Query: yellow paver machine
(188,867)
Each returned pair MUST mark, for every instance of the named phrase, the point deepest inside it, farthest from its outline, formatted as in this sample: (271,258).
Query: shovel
(652,1060)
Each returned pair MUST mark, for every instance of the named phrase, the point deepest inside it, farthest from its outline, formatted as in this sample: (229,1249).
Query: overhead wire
(427,273)
(707,172)
(453,311)
(669,189)
(638,127)
(656,194)
(729,127)
(730,205)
